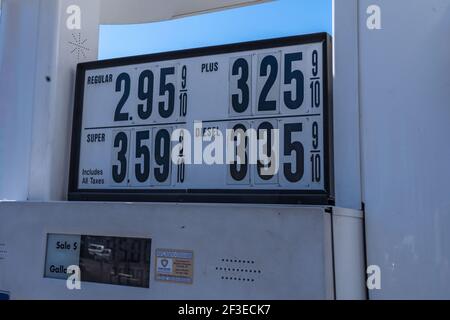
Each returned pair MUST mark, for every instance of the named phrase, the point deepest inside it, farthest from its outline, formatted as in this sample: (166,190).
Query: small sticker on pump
(174,265)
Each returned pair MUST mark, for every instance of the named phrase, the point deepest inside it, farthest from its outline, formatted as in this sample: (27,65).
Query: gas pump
(152,229)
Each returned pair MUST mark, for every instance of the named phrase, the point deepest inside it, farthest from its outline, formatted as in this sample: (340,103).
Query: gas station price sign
(248,122)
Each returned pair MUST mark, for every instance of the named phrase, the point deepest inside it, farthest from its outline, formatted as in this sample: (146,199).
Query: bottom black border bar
(210,198)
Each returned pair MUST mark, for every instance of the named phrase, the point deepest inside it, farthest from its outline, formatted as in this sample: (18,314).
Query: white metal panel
(59,50)
(18,41)
(349,254)
(347,174)
(405,81)
(37,97)
(290,245)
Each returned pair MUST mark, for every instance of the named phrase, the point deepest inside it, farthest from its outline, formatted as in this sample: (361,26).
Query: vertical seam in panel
(332,253)
(361,144)
(360,113)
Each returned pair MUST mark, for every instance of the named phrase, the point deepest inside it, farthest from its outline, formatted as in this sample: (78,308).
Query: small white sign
(62,252)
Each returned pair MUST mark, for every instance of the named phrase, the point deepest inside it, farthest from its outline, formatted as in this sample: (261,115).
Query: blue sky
(268,20)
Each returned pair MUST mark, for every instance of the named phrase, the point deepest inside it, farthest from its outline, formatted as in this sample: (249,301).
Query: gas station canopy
(145,11)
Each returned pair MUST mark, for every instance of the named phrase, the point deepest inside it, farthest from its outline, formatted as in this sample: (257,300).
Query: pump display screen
(110,260)
(247,122)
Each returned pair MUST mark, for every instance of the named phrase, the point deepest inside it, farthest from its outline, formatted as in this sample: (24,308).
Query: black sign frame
(304,197)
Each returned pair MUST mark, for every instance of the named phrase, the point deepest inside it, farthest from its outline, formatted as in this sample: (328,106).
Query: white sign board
(248,122)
